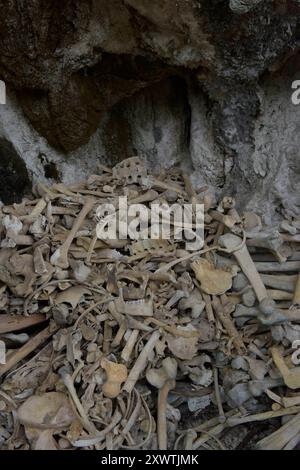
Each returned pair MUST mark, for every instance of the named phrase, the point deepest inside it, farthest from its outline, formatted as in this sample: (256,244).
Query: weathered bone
(271,240)
(60,256)
(296,298)
(289,266)
(281,281)
(291,377)
(232,242)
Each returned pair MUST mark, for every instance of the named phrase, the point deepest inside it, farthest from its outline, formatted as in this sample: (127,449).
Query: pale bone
(142,308)
(68,382)
(286,227)
(270,240)
(161,185)
(130,344)
(208,308)
(176,297)
(290,401)
(236,420)
(116,374)
(223,314)
(293,443)
(37,210)
(141,362)
(228,220)
(289,266)
(282,281)
(193,302)
(31,345)
(23,265)
(164,277)
(60,256)
(296,297)
(165,380)
(222,417)
(291,238)
(149,196)
(230,241)
(280,438)
(291,377)
(39,262)
(258,387)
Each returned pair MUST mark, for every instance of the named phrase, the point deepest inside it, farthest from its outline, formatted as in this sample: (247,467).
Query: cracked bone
(60,256)
(232,242)
(194,302)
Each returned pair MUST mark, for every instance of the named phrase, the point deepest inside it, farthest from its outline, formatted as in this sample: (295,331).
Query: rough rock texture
(203,82)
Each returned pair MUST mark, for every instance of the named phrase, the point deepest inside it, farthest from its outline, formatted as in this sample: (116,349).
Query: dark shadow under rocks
(14,179)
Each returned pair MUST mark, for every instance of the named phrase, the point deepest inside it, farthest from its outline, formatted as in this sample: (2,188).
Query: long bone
(60,256)
(232,242)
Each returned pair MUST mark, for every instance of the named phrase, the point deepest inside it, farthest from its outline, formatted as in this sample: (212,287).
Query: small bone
(178,295)
(296,298)
(60,256)
(291,377)
(258,387)
(290,401)
(275,315)
(39,262)
(244,259)
(116,374)
(269,313)
(228,220)
(223,314)
(193,302)
(222,417)
(131,342)
(276,294)
(149,196)
(142,308)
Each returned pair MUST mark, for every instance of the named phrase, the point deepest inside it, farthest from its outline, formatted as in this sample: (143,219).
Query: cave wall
(200,83)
